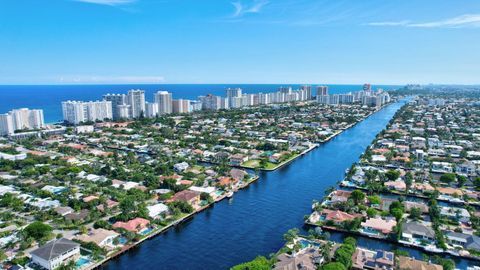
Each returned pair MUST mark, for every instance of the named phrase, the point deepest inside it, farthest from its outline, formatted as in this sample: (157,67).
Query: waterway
(254,221)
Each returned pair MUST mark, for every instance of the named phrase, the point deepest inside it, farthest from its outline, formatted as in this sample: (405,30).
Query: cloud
(400,23)
(463,21)
(110,79)
(107,2)
(242,9)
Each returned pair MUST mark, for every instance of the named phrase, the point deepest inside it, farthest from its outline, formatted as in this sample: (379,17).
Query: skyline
(231,42)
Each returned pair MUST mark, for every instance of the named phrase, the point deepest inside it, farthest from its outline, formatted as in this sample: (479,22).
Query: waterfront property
(55,253)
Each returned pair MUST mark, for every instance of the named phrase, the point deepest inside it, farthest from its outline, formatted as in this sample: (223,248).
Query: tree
(461,180)
(371,212)
(38,231)
(476,182)
(448,178)
(259,263)
(397,213)
(375,199)
(357,196)
(392,175)
(415,213)
(333,266)
(291,234)
(206,197)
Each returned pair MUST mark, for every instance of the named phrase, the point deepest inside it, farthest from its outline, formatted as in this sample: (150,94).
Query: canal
(254,221)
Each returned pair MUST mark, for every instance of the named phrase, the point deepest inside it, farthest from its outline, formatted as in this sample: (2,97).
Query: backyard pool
(81,262)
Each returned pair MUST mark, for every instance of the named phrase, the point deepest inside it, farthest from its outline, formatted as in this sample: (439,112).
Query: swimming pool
(81,262)
(146,231)
(122,240)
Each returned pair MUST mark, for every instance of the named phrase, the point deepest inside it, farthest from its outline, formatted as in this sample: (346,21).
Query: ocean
(49,97)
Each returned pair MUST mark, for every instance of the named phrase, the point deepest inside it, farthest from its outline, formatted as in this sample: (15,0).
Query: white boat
(230,194)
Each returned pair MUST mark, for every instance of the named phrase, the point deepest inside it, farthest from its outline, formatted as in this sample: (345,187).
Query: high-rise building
(285,89)
(322,90)
(263,98)
(323,99)
(308,91)
(345,98)
(212,102)
(367,87)
(123,111)
(117,100)
(151,110)
(247,99)
(75,112)
(232,94)
(27,119)
(181,106)
(136,100)
(164,101)
(21,119)
(6,124)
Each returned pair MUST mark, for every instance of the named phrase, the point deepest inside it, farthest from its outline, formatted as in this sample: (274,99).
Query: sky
(239,41)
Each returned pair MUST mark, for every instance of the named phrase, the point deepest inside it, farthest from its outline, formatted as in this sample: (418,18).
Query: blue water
(254,222)
(49,97)
(81,262)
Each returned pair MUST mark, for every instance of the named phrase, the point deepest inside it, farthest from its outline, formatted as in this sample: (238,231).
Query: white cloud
(107,2)
(242,9)
(400,23)
(463,21)
(110,79)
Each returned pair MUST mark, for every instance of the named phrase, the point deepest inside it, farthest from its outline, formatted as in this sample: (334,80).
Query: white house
(157,209)
(55,253)
(180,167)
(209,190)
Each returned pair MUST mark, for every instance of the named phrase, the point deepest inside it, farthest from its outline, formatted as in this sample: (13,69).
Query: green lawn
(255,163)
(252,163)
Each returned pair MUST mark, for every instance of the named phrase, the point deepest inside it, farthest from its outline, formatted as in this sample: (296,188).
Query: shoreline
(399,243)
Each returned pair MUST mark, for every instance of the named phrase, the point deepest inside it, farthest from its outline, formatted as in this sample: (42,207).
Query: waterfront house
(413,231)
(422,187)
(100,236)
(226,181)
(154,211)
(441,167)
(238,159)
(55,253)
(338,196)
(396,185)
(337,216)
(237,174)
(455,214)
(375,260)
(378,226)
(469,242)
(135,225)
(209,190)
(466,168)
(406,263)
(306,259)
(189,196)
(449,191)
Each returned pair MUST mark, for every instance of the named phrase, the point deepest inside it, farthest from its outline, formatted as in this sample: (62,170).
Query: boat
(230,194)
